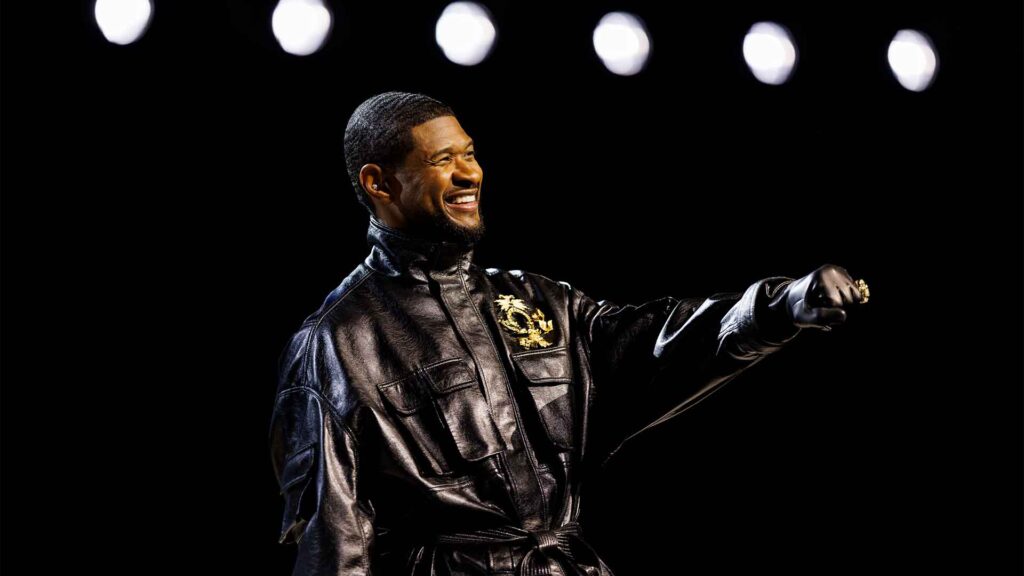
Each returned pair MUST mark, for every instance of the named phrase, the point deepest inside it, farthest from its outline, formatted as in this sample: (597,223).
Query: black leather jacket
(434,417)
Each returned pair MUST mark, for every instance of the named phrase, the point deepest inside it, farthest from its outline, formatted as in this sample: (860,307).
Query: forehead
(439,133)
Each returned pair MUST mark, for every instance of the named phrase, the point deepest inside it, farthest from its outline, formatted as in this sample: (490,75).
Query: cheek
(417,192)
(426,198)
(434,188)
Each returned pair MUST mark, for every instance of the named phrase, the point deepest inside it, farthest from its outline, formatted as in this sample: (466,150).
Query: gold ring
(865,292)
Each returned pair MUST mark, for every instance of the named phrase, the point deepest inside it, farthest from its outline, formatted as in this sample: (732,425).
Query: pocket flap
(410,393)
(450,375)
(406,395)
(444,409)
(552,366)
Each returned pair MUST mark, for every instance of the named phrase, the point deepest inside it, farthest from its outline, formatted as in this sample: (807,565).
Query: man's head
(413,166)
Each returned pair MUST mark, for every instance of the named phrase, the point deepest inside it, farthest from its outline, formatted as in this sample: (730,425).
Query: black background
(173,209)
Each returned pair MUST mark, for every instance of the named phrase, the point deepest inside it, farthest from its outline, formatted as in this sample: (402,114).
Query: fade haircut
(380,132)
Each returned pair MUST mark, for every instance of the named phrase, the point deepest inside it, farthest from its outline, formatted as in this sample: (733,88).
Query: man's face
(440,183)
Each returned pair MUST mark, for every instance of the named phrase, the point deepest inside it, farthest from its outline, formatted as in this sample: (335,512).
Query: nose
(467,174)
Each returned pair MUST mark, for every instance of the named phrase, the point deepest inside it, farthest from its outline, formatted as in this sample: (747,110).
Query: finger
(827,295)
(845,291)
(855,295)
(835,273)
(842,273)
(825,316)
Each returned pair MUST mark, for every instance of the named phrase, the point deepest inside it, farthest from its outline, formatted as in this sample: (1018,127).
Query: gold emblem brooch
(514,312)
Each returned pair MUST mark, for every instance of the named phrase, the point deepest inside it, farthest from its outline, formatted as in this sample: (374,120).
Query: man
(434,417)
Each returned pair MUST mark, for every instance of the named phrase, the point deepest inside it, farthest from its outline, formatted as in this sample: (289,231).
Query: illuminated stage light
(622,43)
(301,26)
(123,21)
(770,52)
(465,33)
(913,60)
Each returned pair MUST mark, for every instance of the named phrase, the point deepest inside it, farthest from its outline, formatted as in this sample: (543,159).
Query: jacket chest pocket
(548,375)
(444,414)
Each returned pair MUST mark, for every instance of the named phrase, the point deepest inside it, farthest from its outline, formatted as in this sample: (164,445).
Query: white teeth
(463,199)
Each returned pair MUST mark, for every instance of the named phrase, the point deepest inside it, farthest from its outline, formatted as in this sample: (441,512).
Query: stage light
(465,33)
(913,60)
(770,53)
(622,43)
(123,21)
(301,26)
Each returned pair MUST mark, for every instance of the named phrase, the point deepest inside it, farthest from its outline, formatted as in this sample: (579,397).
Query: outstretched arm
(655,360)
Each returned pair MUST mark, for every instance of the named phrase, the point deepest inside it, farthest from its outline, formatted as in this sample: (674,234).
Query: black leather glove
(817,300)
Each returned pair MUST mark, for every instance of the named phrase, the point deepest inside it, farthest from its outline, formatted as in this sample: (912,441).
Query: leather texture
(414,433)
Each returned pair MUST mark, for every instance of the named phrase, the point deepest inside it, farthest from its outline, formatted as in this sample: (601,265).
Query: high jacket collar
(397,253)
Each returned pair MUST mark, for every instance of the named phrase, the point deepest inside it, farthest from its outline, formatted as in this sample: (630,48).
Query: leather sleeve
(654,360)
(316,461)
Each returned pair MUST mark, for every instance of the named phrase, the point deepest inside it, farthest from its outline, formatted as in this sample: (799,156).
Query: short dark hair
(380,132)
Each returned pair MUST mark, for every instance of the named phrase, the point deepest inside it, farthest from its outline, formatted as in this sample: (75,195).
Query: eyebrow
(449,149)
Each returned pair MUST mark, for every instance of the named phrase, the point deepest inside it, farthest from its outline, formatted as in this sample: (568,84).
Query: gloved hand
(817,300)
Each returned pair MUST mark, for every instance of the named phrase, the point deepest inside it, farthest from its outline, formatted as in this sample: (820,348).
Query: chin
(456,230)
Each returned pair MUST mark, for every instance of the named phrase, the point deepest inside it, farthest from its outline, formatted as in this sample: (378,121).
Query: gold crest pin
(529,326)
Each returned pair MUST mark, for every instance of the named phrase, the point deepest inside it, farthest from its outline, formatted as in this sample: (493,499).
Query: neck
(400,253)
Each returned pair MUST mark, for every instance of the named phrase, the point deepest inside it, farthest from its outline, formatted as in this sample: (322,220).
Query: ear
(371,178)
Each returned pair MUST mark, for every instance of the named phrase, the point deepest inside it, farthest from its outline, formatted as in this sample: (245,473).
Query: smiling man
(418,169)
(435,191)
(436,417)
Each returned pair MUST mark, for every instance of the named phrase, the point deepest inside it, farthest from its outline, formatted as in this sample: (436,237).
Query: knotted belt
(563,546)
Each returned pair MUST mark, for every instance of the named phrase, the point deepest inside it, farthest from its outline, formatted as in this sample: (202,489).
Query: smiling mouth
(464,200)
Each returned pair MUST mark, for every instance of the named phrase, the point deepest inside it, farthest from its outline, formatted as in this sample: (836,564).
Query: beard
(445,228)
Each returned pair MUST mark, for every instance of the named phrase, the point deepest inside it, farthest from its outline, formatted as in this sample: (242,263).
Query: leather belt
(562,547)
